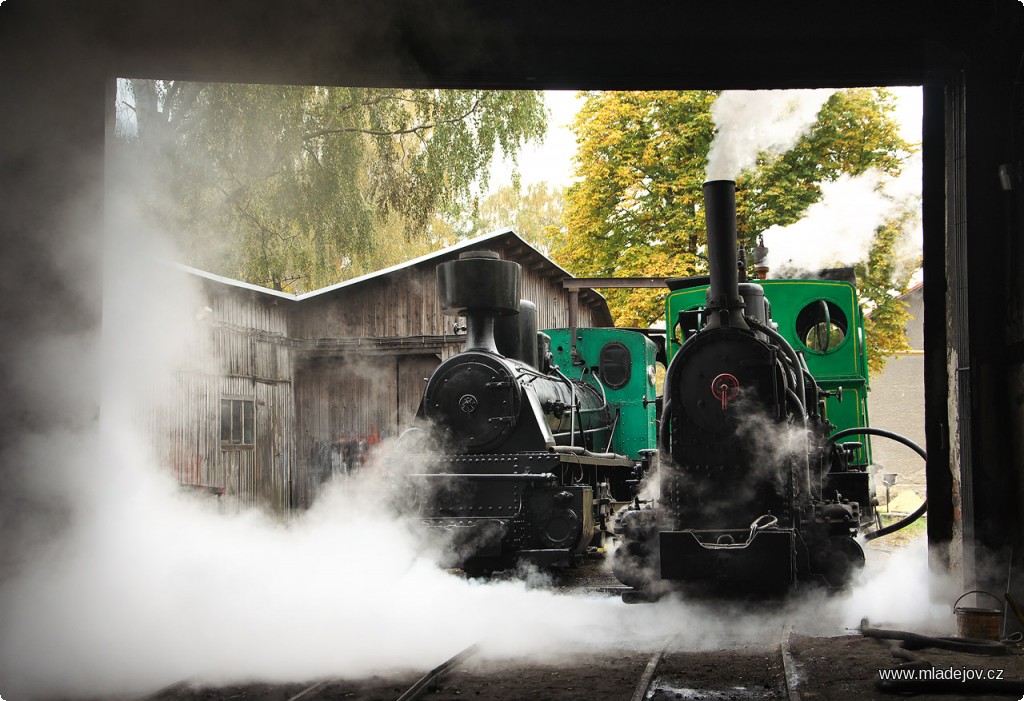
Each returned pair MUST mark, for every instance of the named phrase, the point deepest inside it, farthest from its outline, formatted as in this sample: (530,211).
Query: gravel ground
(840,668)
(835,669)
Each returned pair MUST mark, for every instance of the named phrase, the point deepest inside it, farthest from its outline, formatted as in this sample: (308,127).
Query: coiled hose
(869,431)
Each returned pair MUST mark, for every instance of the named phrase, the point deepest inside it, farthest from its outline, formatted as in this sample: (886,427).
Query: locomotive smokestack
(724,305)
(482,286)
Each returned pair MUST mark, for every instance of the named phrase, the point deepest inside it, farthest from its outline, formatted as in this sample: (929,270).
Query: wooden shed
(295,389)
(365,347)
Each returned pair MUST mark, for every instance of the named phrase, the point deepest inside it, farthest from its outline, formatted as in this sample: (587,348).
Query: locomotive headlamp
(725,387)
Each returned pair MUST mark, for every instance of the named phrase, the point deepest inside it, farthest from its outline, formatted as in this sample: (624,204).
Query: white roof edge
(234,283)
(483,238)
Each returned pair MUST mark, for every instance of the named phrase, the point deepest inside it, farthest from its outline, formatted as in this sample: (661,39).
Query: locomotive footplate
(496,509)
(552,557)
(511,464)
(764,564)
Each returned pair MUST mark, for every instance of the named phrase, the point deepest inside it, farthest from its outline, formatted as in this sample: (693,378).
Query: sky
(550,161)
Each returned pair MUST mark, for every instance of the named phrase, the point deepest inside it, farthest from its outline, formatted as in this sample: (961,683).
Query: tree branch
(387,96)
(247,212)
(418,129)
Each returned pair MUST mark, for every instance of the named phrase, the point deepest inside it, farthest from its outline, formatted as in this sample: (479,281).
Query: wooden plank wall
(346,405)
(349,401)
(399,305)
(406,303)
(239,352)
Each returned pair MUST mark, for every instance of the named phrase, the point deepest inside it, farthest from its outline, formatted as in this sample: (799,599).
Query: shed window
(236,422)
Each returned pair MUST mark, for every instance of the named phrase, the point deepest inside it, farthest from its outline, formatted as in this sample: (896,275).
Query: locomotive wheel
(839,561)
(634,564)
(476,572)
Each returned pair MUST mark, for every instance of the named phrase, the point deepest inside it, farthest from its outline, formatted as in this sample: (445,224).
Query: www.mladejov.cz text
(962,674)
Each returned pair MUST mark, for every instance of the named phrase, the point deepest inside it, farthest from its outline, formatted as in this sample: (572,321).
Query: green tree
(636,206)
(297,187)
(535,214)
(882,279)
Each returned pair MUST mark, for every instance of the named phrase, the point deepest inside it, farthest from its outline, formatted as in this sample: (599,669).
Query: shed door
(273,420)
(238,441)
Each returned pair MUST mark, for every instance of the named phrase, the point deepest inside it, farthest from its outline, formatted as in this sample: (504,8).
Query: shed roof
(231,282)
(512,246)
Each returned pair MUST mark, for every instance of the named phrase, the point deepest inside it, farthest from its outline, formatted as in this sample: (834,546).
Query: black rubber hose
(787,349)
(868,431)
(916,641)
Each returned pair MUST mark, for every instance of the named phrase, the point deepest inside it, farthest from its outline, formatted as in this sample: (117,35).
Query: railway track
(433,677)
(668,673)
(680,680)
(319,690)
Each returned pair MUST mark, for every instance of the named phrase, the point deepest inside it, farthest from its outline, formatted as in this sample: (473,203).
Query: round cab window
(821,326)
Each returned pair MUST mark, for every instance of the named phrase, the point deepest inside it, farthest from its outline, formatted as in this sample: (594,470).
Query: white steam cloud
(750,122)
(119,583)
(838,229)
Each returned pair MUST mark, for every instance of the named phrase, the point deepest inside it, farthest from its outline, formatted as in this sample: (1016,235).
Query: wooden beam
(577,283)
(516,250)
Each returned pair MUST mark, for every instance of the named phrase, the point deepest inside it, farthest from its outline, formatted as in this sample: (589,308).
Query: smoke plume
(838,229)
(750,122)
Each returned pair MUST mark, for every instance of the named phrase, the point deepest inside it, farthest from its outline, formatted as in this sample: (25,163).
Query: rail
(433,676)
(647,678)
(649,687)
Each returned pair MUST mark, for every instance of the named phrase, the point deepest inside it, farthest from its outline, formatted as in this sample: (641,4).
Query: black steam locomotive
(753,494)
(524,471)
(544,446)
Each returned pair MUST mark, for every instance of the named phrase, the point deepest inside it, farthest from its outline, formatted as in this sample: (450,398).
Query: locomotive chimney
(481,286)
(724,303)
(761,259)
